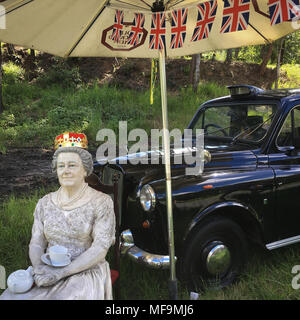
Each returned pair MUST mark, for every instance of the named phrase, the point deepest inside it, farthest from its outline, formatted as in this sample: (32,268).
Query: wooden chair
(95,183)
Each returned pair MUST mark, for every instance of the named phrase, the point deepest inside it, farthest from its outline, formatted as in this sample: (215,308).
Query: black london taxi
(246,195)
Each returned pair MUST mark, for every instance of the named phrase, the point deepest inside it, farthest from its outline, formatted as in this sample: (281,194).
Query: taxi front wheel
(214,255)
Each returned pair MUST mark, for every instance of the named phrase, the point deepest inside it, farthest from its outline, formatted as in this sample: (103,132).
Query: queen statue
(75,217)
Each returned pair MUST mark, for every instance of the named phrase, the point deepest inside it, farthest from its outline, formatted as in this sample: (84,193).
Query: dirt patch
(136,73)
(237,73)
(23,170)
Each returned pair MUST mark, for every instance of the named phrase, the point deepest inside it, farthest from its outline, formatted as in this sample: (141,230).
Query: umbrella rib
(21,5)
(148,5)
(166,4)
(173,5)
(90,25)
(259,33)
(85,31)
(133,5)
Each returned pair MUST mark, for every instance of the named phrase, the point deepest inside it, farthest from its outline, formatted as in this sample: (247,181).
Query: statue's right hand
(46,276)
(44,280)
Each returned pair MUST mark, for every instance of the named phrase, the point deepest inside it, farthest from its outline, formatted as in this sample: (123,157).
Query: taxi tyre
(214,255)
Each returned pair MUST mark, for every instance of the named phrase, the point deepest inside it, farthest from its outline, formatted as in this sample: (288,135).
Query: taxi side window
(290,132)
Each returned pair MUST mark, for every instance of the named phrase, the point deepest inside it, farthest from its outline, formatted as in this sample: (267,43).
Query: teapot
(20,281)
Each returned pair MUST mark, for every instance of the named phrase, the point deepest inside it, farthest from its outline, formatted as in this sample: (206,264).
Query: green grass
(15,229)
(36,112)
(267,276)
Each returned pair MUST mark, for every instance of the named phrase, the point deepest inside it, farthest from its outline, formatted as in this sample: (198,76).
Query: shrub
(60,76)
(7,120)
(64,117)
(12,73)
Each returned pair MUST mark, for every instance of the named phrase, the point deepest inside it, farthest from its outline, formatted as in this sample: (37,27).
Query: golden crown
(71,139)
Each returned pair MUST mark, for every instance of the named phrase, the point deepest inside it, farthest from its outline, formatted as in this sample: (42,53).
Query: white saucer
(45,258)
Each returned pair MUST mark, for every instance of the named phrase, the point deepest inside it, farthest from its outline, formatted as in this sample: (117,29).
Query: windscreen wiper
(255,128)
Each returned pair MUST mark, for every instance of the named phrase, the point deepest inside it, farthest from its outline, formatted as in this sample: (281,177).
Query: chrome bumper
(127,247)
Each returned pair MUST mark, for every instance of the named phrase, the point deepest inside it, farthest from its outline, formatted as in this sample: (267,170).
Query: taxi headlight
(147,198)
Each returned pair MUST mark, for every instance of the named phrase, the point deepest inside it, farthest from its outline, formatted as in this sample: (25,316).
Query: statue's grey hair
(84,155)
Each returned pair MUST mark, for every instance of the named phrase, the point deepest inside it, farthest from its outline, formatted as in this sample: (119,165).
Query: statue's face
(70,170)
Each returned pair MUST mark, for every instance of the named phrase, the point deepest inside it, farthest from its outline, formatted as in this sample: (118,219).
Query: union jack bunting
(136,33)
(118,26)
(206,17)
(158,31)
(235,15)
(178,28)
(283,10)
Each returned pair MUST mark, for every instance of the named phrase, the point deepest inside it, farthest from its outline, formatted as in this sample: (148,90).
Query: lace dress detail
(88,229)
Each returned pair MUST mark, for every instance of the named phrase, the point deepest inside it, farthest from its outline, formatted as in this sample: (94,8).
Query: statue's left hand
(46,276)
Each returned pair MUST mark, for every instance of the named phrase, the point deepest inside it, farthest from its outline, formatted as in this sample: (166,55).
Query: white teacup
(59,255)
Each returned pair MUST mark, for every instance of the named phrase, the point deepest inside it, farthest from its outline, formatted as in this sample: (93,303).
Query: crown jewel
(71,139)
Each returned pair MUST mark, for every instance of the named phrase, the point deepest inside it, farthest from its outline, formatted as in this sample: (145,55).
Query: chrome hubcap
(218,258)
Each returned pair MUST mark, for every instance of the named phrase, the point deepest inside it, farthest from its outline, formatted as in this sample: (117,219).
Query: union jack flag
(235,15)
(118,26)
(158,31)
(283,10)
(136,33)
(178,28)
(206,17)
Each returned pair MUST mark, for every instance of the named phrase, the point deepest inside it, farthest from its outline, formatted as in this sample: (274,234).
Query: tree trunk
(279,60)
(192,69)
(1,101)
(197,72)
(29,65)
(10,49)
(32,54)
(228,56)
(263,51)
(236,53)
(282,52)
(266,59)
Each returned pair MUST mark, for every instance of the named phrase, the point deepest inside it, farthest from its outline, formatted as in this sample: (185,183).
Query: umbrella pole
(166,140)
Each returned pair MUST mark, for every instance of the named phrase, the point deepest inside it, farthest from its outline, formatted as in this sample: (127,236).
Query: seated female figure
(80,219)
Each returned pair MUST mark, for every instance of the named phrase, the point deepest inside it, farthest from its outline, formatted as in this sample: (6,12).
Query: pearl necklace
(78,195)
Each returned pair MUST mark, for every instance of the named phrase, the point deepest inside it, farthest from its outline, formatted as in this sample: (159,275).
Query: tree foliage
(292,48)
(290,54)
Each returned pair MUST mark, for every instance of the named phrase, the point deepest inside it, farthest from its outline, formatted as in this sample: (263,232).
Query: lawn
(267,276)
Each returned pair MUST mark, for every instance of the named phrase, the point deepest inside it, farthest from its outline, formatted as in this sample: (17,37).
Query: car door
(286,165)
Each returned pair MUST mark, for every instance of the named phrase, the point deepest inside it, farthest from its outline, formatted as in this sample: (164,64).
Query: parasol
(146,29)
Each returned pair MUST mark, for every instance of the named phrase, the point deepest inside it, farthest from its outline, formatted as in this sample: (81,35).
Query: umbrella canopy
(146,29)
(130,28)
